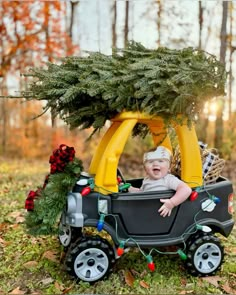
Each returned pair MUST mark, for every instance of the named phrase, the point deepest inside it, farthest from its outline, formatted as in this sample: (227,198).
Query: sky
(93,25)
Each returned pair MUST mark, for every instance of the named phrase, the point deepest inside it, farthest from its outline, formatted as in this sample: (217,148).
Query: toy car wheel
(68,234)
(91,260)
(205,256)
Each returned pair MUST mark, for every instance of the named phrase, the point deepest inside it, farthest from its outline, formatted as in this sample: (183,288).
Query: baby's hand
(132,189)
(166,208)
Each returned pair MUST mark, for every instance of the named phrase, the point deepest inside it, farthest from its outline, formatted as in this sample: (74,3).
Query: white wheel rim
(65,234)
(207,258)
(91,264)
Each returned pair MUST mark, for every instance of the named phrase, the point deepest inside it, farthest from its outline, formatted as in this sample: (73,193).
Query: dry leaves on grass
(18,216)
(144,284)
(51,255)
(17,291)
(214,280)
(228,290)
(230,250)
(183,292)
(62,290)
(129,279)
(30,264)
(3,243)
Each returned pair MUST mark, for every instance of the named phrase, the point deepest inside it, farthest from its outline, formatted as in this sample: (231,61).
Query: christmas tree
(87,91)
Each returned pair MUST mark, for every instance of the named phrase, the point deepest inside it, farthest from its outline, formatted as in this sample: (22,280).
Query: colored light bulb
(151,264)
(85,191)
(182,255)
(119,179)
(100,223)
(204,228)
(193,196)
(124,186)
(216,200)
(120,249)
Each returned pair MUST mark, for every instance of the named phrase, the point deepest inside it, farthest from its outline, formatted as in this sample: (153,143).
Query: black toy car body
(132,220)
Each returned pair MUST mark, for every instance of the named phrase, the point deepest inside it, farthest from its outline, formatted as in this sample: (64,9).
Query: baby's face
(156,168)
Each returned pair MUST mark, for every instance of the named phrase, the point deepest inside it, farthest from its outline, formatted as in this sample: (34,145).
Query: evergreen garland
(87,91)
(47,203)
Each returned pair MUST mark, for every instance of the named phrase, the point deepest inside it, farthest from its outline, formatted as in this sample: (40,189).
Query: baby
(157,165)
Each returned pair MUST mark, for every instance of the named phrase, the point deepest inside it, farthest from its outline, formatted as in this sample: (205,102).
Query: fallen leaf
(47,281)
(186,292)
(50,255)
(65,291)
(58,286)
(212,280)
(3,226)
(228,289)
(134,272)
(183,281)
(144,284)
(30,264)
(17,291)
(18,216)
(230,250)
(129,279)
(4,243)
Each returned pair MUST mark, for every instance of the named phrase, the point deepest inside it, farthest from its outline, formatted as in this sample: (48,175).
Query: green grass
(26,268)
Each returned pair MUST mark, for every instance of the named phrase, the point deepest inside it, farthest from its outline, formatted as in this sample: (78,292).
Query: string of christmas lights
(207,204)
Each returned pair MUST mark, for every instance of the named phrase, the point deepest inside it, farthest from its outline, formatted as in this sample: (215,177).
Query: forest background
(35,32)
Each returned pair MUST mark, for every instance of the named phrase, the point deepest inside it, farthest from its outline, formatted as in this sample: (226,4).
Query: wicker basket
(212,164)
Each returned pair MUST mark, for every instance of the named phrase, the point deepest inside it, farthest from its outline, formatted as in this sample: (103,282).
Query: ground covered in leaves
(34,265)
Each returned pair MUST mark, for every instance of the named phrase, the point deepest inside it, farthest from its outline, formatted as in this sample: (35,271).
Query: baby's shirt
(167,182)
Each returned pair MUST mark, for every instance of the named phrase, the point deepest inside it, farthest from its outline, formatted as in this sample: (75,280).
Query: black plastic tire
(205,255)
(91,259)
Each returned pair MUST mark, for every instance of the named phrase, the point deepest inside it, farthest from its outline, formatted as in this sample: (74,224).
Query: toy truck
(100,199)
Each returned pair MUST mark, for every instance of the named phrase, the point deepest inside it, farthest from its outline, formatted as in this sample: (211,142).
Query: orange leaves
(51,255)
(30,264)
(27,28)
(144,284)
(17,291)
(130,279)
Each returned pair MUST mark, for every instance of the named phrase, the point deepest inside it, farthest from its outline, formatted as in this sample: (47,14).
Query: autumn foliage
(32,33)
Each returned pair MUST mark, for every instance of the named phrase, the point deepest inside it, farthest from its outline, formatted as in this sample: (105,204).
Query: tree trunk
(219,116)
(126,29)
(114,35)
(159,12)
(200,21)
(73,5)
(231,50)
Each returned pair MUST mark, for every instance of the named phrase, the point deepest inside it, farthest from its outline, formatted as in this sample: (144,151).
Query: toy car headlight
(71,204)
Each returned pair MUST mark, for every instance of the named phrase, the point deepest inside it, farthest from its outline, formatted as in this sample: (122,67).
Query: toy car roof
(105,160)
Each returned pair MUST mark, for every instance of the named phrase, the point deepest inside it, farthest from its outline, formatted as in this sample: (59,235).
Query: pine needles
(87,91)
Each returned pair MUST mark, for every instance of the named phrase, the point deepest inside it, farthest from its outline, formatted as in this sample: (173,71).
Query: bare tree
(73,5)
(159,12)
(126,28)
(114,35)
(200,21)
(223,47)
(231,50)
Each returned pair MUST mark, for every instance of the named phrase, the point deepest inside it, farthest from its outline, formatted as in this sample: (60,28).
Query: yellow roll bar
(105,160)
